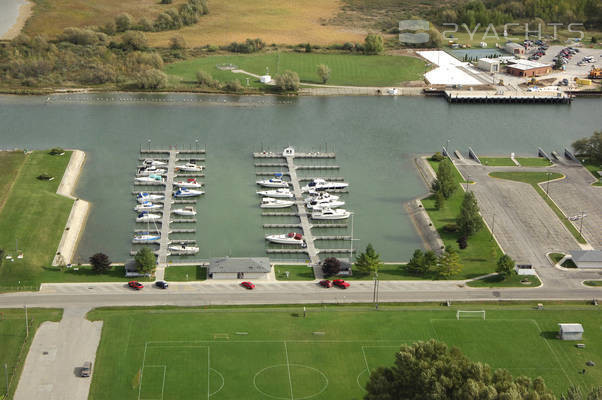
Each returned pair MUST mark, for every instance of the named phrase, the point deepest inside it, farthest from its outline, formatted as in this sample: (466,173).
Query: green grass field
(31,204)
(295,273)
(10,163)
(481,255)
(188,273)
(275,353)
(346,69)
(387,272)
(533,161)
(15,344)
(533,179)
(512,281)
(594,168)
(497,161)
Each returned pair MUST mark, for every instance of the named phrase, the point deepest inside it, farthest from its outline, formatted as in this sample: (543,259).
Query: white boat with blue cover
(147,237)
(147,206)
(184,192)
(275,182)
(145,216)
(144,196)
(152,178)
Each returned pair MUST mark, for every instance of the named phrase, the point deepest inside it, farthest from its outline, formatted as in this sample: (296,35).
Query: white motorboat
(182,249)
(314,205)
(188,183)
(321,197)
(187,211)
(146,237)
(287,238)
(320,184)
(143,196)
(329,213)
(190,167)
(151,170)
(145,216)
(275,182)
(270,202)
(153,163)
(153,178)
(280,193)
(183,192)
(148,206)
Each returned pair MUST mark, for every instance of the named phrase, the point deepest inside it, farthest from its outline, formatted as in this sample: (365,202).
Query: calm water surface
(375,140)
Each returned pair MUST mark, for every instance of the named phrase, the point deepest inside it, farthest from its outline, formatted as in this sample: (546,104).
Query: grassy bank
(14,345)
(533,179)
(33,219)
(481,255)
(346,69)
(594,168)
(512,281)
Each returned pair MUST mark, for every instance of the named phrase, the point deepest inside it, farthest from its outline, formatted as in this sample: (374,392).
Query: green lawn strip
(33,218)
(593,283)
(593,168)
(569,263)
(533,161)
(555,257)
(14,345)
(84,273)
(346,69)
(481,255)
(512,281)
(533,178)
(435,166)
(296,273)
(10,164)
(388,272)
(198,349)
(187,273)
(497,161)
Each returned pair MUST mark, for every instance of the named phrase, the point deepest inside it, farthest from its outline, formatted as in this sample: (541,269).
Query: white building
(514,48)
(571,331)
(587,258)
(239,268)
(491,65)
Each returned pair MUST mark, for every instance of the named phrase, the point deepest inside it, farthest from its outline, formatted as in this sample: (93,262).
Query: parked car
(161,284)
(247,285)
(340,283)
(135,285)
(326,283)
(86,369)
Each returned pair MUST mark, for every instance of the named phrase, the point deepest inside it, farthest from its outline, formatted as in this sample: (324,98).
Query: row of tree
(145,262)
(590,147)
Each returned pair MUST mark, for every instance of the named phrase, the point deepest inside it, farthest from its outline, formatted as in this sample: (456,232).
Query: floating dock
(507,97)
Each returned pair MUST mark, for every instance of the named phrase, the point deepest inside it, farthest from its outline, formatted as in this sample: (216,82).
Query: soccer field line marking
(223,381)
(553,352)
(162,386)
(288,367)
(154,343)
(326,381)
(208,373)
(142,371)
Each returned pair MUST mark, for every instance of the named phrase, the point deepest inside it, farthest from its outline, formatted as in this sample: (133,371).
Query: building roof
(489,60)
(526,65)
(571,328)
(229,264)
(586,255)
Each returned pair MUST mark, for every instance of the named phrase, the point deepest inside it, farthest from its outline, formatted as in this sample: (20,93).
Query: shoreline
(25,11)
(79,211)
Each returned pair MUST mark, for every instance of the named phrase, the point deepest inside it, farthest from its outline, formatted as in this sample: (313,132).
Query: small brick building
(528,68)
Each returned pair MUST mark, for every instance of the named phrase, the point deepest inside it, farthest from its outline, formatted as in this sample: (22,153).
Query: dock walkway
(164,241)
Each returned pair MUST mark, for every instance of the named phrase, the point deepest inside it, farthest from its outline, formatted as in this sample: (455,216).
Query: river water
(375,139)
(9,11)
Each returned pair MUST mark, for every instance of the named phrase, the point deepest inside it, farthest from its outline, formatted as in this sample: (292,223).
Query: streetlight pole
(375,293)
(581,222)
(467,180)
(26,323)
(492,227)
(548,184)
(149,143)
(196,144)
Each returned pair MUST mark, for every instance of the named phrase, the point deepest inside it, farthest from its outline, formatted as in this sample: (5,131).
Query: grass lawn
(85,274)
(533,179)
(555,257)
(346,69)
(10,163)
(34,216)
(481,255)
(387,272)
(569,263)
(593,283)
(296,273)
(14,345)
(188,273)
(593,167)
(258,353)
(512,281)
(497,161)
(533,161)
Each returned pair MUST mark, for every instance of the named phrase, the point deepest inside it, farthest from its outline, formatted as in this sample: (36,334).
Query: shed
(514,48)
(527,68)
(239,268)
(587,258)
(571,331)
(491,65)
(265,79)
(524,269)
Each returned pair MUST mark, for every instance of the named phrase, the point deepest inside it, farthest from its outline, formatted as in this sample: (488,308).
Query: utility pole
(492,227)
(375,293)
(581,222)
(467,180)
(548,184)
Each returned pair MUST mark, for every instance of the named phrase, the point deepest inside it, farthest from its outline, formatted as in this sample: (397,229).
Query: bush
(437,157)
(462,243)
(123,22)
(151,79)
(287,81)
(133,41)
(450,228)
(166,1)
(373,44)
(331,266)
(204,78)
(56,151)
(249,46)
(234,86)
(348,46)
(177,43)
(79,36)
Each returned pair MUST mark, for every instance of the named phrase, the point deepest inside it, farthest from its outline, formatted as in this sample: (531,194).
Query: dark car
(326,283)
(86,370)
(135,285)
(247,285)
(161,284)
(340,283)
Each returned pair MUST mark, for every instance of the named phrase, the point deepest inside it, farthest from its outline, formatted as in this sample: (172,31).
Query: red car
(326,283)
(340,283)
(247,285)
(135,285)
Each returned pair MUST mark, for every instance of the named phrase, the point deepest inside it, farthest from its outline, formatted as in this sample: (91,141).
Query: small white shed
(571,331)
(491,65)
(265,79)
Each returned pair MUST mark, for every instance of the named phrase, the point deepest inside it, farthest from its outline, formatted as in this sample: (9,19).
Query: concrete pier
(162,258)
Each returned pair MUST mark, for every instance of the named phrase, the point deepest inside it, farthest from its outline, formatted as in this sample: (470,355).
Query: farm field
(277,353)
(33,203)
(346,69)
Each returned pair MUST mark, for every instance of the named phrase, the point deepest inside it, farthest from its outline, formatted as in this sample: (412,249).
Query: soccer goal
(470,314)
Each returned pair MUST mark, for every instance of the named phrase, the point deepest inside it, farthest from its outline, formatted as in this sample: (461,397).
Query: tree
(439,199)
(505,266)
(323,72)
(287,81)
(100,263)
(123,22)
(177,43)
(368,261)
(449,263)
(590,147)
(234,85)
(421,262)
(574,393)
(204,78)
(331,266)
(134,41)
(373,44)
(431,370)
(445,178)
(469,221)
(151,79)
(145,261)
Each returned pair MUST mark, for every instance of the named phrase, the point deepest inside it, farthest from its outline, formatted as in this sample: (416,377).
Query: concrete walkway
(59,349)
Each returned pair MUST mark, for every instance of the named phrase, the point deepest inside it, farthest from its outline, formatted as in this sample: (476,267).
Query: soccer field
(279,354)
